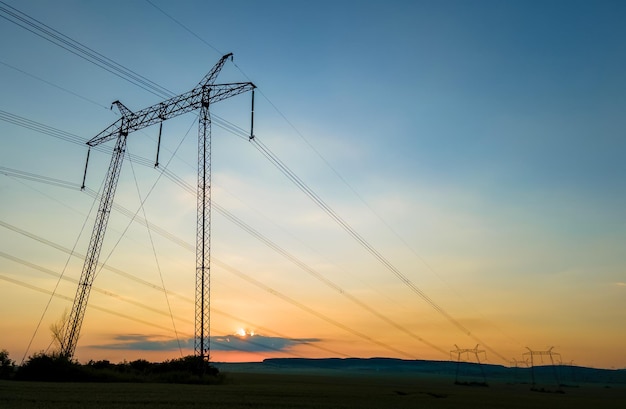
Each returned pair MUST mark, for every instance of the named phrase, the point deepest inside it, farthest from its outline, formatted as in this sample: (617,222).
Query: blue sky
(483,139)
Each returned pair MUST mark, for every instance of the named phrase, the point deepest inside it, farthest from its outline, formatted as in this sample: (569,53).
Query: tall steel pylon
(201,97)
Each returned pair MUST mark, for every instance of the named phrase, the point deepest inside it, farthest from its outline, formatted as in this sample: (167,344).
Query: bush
(52,367)
(190,364)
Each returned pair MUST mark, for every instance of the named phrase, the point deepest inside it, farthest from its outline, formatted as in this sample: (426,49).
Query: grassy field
(300,390)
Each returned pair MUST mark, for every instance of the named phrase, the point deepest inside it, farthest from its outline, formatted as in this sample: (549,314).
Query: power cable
(131,318)
(364,243)
(184,27)
(263,239)
(148,307)
(38,178)
(56,286)
(152,309)
(97,289)
(305,267)
(227,268)
(57,182)
(64,297)
(60,134)
(156,258)
(232,218)
(82,256)
(83,51)
(145,198)
(294,260)
(54,85)
(310,310)
(48,33)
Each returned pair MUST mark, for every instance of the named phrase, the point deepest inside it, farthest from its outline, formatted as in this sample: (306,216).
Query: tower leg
(203,238)
(75,321)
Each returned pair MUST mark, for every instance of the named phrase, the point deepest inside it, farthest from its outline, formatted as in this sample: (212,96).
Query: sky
(472,151)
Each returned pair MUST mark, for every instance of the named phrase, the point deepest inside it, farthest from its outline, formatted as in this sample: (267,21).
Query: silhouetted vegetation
(58,368)
(7,366)
(49,367)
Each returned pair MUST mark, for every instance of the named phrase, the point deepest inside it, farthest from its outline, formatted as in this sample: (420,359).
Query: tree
(7,365)
(58,330)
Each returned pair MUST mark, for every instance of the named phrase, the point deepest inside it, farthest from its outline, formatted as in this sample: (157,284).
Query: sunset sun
(242,332)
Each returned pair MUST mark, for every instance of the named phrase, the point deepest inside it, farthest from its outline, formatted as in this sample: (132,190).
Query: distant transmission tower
(467,352)
(549,353)
(517,365)
(201,97)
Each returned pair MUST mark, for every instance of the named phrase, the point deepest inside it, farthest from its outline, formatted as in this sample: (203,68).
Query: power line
(38,178)
(64,297)
(310,310)
(48,33)
(227,268)
(165,171)
(184,27)
(249,340)
(263,239)
(363,242)
(61,135)
(54,85)
(56,286)
(139,304)
(305,267)
(156,258)
(81,256)
(97,289)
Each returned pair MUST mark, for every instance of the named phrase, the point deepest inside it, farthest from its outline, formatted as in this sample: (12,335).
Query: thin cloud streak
(248,343)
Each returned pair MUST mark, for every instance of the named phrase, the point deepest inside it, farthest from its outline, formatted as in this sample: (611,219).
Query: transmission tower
(467,352)
(201,97)
(517,366)
(549,353)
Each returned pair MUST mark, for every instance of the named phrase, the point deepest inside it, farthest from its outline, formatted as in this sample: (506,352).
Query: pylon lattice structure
(201,97)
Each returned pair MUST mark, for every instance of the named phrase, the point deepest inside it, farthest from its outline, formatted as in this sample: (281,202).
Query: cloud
(248,343)
(620,284)
(140,342)
(257,343)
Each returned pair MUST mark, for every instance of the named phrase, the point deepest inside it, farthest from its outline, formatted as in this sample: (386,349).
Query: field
(289,389)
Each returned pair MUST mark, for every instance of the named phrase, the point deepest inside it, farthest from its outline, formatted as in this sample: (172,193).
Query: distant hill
(567,375)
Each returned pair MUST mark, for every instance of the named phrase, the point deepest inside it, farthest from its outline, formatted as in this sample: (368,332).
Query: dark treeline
(58,368)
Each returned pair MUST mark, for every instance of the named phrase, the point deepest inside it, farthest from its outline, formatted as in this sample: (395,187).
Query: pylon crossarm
(173,107)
